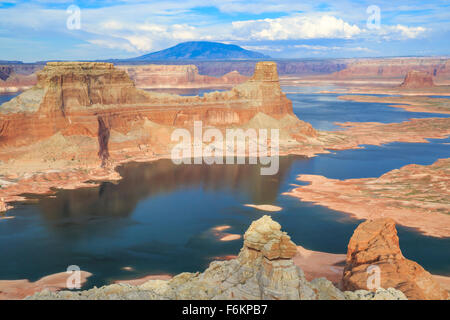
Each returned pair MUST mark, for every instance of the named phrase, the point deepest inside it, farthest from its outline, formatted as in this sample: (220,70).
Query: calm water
(158,219)
(323,110)
(4,97)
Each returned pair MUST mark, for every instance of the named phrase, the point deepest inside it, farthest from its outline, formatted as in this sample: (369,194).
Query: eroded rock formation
(70,97)
(417,79)
(178,76)
(375,243)
(54,126)
(264,269)
(83,115)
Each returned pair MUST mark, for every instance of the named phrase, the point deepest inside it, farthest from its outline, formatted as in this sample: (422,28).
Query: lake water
(158,218)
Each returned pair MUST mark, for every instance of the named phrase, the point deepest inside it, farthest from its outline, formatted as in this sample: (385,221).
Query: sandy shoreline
(419,199)
(411,104)
(19,289)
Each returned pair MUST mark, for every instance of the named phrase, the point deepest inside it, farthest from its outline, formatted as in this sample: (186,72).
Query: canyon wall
(417,79)
(394,68)
(375,244)
(178,76)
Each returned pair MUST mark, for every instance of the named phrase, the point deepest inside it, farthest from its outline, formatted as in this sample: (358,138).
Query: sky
(89,30)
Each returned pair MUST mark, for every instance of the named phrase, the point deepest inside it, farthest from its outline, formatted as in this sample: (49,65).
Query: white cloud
(331,48)
(140,42)
(264,48)
(407,32)
(295,27)
(113,44)
(141,27)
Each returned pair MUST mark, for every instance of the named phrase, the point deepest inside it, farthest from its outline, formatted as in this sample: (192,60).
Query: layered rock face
(375,243)
(16,77)
(394,68)
(264,269)
(85,115)
(71,86)
(417,79)
(178,76)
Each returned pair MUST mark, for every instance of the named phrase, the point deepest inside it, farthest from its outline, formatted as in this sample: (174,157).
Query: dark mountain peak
(203,50)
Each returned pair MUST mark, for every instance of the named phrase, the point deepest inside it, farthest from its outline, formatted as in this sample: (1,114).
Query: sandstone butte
(417,79)
(396,76)
(178,76)
(415,196)
(264,269)
(375,243)
(82,119)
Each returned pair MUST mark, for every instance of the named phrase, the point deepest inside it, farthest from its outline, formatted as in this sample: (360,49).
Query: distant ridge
(203,50)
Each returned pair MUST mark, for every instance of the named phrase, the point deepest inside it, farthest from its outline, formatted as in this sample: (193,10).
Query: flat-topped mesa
(375,244)
(75,100)
(71,85)
(417,79)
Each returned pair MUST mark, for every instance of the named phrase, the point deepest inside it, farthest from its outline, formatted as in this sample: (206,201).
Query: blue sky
(37,30)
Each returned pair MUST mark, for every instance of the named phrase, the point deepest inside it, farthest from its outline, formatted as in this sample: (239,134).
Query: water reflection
(145,180)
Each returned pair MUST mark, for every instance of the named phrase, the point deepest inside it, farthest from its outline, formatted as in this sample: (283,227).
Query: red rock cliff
(375,243)
(74,98)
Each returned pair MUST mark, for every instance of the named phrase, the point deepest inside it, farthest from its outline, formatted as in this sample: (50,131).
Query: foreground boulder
(264,269)
(375,243)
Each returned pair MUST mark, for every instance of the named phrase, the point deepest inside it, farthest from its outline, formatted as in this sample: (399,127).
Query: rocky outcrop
(84,115)
(264,269)
(178,76)
(417,79)
(375,243)
(70,96)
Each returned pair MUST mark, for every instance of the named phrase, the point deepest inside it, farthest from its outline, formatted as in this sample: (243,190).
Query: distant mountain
(203,50)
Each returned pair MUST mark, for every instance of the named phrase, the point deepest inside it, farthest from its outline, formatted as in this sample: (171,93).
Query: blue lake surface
(158,218)
(4,97)
(323,110)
